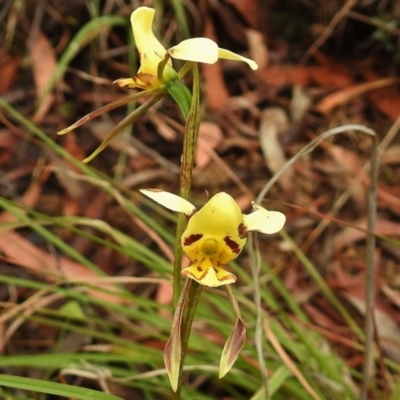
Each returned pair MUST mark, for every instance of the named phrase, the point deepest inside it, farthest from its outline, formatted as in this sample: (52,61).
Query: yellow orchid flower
(216,234)
(152,52)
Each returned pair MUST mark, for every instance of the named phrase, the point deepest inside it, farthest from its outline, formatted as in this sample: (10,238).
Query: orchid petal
(151,50)
(215,235)
(220,219)
(197,50)
(232,348)
(209,275)
(170,201)
(122,82)
(264,221)
(229,55)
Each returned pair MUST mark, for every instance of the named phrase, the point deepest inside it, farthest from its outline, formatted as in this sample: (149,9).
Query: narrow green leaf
(181,95)
(106,108)
(72,309)
(129,120)
(280,376)
(58,389)
(179,10)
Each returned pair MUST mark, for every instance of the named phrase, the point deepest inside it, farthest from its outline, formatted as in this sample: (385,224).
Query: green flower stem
(233,301)
(189,147)
(184,70)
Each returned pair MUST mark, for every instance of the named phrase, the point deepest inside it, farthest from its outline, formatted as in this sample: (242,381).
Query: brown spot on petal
(191,215)
(242,230)
(232,244)
(191,239)
(147,79)
(199,269)
(230,276)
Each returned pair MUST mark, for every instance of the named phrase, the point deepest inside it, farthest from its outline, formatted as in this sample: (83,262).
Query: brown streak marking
(191,239)
(232,244)
(242,230)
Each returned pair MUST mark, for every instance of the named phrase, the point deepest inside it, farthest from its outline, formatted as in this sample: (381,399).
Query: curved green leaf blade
(59,389)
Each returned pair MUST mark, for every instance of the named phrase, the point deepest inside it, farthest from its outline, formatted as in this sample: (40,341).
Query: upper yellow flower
(152,52)
(216,234)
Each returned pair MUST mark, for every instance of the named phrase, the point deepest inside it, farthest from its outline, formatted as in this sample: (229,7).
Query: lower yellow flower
(152,52)
(216,234)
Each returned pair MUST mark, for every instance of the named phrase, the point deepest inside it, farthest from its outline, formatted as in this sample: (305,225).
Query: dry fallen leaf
(163,129)
(350,162)
(8,71)
(386,100)
(300,103)
(44,62)
(393,295)
(326,77)
(391,156)
(330,102)
(257,49)
(250,11)
(215,90)
(274,121)
(210,135)
(388,329)
(350,235)
(22,252)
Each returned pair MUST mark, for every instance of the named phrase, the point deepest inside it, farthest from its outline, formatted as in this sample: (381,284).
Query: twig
(329,29)
(370,272)
(189,147)
(374,22)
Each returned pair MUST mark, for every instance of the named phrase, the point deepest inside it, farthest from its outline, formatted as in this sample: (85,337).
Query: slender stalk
(233,301)
(189,147)
(370,273)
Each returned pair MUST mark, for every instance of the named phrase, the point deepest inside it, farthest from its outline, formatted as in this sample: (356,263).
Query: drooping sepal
(236,339)
(128,120)
(173,348)
(171,201)
(232,348)
(229,55)
(106,108)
